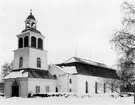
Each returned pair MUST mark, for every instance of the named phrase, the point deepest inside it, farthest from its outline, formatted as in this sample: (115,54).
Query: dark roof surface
(32,29)
(91,69)
(37,73)
(31,17)
(85,61)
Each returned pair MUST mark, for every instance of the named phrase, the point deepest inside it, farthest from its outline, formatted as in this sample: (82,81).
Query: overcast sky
(70,26)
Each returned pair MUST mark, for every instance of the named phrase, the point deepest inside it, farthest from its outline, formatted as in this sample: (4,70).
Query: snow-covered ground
(92,100)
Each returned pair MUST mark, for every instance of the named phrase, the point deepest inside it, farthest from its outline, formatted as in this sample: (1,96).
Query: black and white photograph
(57,52)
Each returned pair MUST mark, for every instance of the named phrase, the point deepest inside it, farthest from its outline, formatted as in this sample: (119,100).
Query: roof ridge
(90,60)
(68,59)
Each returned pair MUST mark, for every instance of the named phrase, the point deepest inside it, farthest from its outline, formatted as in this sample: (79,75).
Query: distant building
(31,74)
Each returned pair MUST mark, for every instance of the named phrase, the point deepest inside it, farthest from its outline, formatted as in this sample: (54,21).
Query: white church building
(31,74)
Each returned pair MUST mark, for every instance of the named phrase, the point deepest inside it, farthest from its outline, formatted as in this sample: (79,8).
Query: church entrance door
(15,89)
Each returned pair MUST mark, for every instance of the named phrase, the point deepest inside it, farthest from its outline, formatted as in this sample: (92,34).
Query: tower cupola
(30,22)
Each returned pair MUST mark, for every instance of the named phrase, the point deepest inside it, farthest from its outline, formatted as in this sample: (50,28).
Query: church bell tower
(30,52)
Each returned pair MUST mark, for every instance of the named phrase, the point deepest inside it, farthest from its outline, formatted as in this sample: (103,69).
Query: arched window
(70,90)
(96,87)
(38,62)
(55,76)
(86,84)
(21,62)
(56,89)
(27,25)
(70,81)
(26,41)
(33,41)
(33,25)
(20,42)
(104,87)
(112,87)
(40,43)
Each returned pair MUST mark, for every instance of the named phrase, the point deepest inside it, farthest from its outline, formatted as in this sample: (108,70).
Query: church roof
(85,61)
(31,16)
(31,29)
(86,67)
(30,73)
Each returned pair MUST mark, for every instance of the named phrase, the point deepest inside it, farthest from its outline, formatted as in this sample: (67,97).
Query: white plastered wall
(22,52)
(91,84)
(62,78)
(23,87)
(33,82)
(34,54)
(30,56)
(74,83)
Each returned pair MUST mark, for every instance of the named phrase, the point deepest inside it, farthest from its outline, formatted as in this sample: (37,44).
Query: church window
(47,89)
(33,25)
(55,76)
(70,90)
(37,89)
(70,81)
(33,41)
(112,87)
(56,89)
(40,43)
(21,62)
(39,62)
(28,25)
(96,87)
(104,87)
(86,88)
(20,42)
(26,41)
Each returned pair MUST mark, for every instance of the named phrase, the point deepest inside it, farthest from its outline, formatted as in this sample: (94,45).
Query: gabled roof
(90,68)
(85,61)
(30,73)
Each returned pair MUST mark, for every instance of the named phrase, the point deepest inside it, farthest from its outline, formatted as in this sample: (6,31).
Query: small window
(37,89)
(33,25)
(21,62)
(56,89)
(26,41)
(20,43)
(96,87)
(104,87)
(55,76)
(39,62)
(33,41)
(112,87)
(47,89)
(40,43)
(70,81)
(86,84)
(70,90)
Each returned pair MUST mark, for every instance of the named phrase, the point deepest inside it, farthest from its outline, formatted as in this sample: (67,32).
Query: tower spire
(30,11)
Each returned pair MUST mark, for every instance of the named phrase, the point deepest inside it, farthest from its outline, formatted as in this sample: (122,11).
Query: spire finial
(30,11)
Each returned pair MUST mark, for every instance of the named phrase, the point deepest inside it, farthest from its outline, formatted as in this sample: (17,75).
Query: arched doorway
(15,89)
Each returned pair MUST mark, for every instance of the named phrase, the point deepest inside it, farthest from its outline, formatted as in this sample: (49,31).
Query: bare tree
(123,41)
(6,69)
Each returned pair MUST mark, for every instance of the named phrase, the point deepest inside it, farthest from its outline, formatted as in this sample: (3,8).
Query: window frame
(21,62)
(47,89)
(37,89)
(38,62)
